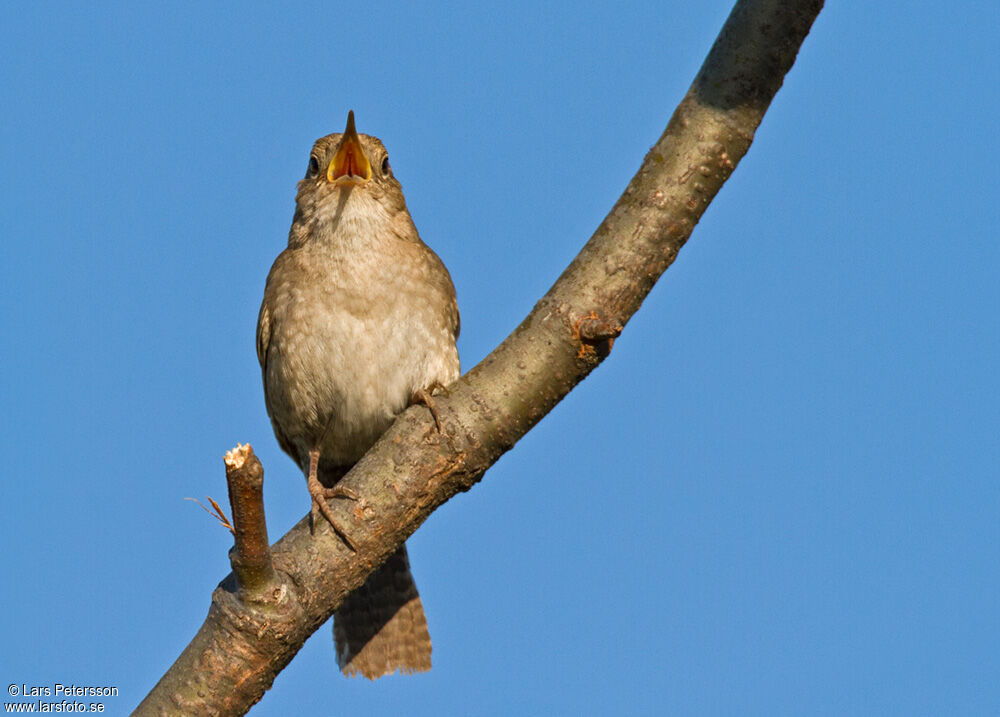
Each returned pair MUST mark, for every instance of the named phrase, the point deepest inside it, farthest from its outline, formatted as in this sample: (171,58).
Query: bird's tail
(381,627)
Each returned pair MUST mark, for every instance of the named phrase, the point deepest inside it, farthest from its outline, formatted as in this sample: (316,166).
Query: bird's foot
(320,494)
(424,397)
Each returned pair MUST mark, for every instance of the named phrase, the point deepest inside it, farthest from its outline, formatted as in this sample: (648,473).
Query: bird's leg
(423,397)
(438,387)
(320,494)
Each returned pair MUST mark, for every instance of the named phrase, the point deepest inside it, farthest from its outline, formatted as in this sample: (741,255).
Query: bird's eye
(313,167)
(385,167)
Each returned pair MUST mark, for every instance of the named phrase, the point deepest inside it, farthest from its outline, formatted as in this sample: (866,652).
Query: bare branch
(414,468)
(251,554)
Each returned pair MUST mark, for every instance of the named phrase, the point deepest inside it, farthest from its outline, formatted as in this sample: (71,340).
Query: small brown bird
(359,320)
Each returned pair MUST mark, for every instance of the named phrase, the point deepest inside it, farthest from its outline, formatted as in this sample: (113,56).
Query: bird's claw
(320,494)
(423,397)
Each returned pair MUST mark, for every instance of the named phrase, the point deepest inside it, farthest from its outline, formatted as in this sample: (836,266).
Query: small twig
(251,556)
(216,512)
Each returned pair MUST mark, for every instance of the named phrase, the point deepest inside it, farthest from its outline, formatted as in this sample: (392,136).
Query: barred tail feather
(381,627)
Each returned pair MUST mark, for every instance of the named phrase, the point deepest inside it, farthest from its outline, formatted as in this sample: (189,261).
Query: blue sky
(779,495)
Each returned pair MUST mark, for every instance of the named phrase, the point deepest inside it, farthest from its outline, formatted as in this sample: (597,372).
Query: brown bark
(413,469)
(251,553)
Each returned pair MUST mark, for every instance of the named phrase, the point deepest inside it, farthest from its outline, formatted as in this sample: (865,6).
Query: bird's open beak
(349,163)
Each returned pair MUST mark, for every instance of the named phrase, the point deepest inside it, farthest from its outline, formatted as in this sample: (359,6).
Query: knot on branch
(596,335)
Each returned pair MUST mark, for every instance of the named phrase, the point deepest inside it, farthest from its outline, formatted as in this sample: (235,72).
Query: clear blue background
(779,495)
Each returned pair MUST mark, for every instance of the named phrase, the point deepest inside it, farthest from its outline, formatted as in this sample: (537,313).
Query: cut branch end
(251,555)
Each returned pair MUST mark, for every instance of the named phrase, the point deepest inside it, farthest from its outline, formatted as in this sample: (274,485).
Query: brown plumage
(358,317)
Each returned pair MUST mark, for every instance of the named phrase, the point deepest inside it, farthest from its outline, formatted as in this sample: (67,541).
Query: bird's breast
(352,339)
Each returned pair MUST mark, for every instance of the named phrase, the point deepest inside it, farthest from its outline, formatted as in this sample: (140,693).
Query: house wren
(359,320)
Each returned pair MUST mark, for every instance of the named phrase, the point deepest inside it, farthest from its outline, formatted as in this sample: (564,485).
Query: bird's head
(348,161)
(350,185)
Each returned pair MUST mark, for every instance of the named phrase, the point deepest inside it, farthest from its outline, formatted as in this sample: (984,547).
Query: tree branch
(251,553)
(413,468)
